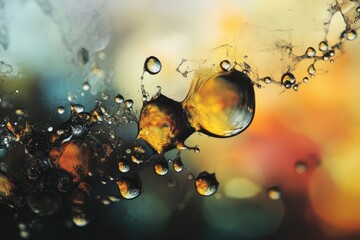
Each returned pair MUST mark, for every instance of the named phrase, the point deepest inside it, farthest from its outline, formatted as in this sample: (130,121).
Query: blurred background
(306,143)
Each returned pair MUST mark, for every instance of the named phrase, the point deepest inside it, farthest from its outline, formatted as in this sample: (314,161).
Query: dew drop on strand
(274,193)
(310,52)
(267,80)
(178,165)
(323,46)
(152,65)
(129,103)
(351,35)
(288,79)
(225,65)
(206,184)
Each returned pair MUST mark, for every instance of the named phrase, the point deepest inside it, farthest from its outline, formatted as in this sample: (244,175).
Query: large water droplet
(206,184)
(152,65)
(221,105)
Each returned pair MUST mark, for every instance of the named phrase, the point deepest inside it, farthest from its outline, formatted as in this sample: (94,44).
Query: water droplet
(129,187)
(274,193)
(300,167)
(161,167)
(129,103)
(296,87)
(332,53)
(138,154)
(288,79)
(311,69)
(225,65)
(246,56)
(351,35)
(123,166)
(323,46)
(332,61)
(177,164)
(267,80)
(61,110)
(24,234)
(206,184)
(79,217)
(223,104)
(152,65)
(19,112)
(50,129)
(119,99)
(86,86)
(77,108)
(310,52)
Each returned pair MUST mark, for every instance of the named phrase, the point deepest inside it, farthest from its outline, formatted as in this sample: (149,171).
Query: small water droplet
(50,129)
(177,164)
(351,35)
(296,87)
(119,99)
(311,69)
(86,86)
(123,166)
(19,112)
(274,193)
(310,52)
(267,80)
(246,56)
(225,65)
(300,167)
(323,46)
(358,9)
(79,217)
(332,61)
(206,184)
(288,79)
(161,167)
(129,187)
(61,110)
(129,103)
(152,65)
